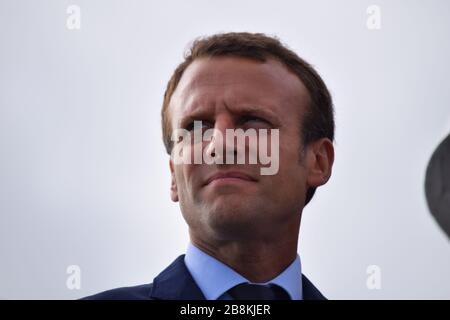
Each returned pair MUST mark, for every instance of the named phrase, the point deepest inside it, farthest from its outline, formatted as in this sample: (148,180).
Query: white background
(84,179)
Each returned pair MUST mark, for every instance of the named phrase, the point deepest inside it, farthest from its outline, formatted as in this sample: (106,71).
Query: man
(243,224)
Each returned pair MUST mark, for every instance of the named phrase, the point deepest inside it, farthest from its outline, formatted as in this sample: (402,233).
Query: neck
(258,260)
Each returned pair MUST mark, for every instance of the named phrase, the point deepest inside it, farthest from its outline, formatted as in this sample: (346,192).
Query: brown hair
(318,121)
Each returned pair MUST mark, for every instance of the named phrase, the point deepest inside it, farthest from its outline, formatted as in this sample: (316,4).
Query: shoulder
(310,292)
(141,292)
(173,283)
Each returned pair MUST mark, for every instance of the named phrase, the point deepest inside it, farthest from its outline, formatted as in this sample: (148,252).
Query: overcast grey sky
(84,179)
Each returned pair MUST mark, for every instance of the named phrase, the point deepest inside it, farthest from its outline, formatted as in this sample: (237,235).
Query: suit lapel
(310,292)
(176,283)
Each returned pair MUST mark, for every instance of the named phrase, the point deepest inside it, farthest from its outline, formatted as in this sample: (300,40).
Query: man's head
(249,81)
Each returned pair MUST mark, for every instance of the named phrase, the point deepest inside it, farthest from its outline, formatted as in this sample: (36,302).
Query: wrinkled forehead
(235,82)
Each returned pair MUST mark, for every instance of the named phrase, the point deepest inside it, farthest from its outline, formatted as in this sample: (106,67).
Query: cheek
(292,171)
(185,176)
(180,178)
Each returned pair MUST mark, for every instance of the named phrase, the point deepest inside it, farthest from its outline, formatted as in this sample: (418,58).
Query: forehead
(210,83)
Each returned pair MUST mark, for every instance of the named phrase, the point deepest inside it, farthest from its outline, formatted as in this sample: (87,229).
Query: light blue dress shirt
(215,278)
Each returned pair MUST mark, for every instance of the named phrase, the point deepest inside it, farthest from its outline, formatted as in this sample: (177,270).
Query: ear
(320,158)
(173,183)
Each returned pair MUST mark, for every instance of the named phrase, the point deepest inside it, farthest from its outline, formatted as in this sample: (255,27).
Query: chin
(232,220)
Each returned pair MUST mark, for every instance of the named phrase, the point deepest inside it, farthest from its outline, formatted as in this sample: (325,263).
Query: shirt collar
(215,278)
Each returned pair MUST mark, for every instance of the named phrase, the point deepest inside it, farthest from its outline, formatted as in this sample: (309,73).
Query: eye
(191,125)
(250,118)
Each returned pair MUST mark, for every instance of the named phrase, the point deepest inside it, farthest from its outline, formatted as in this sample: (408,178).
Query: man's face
(223,92)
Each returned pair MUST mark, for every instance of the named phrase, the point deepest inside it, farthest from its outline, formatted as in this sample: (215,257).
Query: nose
(220,145)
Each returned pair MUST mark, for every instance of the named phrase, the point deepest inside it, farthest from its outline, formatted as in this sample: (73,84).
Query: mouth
(229,177)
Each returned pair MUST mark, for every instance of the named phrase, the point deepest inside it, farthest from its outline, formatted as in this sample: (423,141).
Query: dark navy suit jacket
(176,283)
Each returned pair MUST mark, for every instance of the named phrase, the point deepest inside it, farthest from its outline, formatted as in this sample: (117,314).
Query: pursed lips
(230,175)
